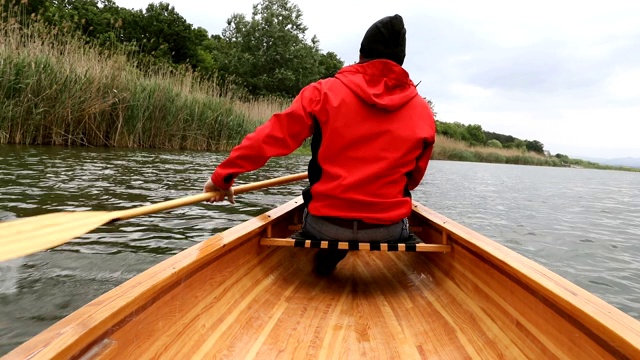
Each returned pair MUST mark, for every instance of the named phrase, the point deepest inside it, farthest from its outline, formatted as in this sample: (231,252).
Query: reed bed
(449,149)
(55,89)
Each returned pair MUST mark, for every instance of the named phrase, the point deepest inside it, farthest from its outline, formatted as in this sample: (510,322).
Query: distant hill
(627,161)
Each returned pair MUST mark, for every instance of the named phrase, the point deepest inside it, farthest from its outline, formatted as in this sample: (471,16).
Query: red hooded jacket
(372,140)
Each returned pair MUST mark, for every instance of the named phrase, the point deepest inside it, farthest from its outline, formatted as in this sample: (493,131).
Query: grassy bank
(56,90)
(454,150)
(449,149)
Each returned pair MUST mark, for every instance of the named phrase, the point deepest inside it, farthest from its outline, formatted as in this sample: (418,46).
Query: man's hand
(209,186)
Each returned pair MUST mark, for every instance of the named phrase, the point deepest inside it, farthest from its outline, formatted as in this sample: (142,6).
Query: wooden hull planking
(230,297)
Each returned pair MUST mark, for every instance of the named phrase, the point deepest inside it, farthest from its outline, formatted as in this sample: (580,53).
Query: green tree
(535,146)
(31,7)
(211,55)
(504,139)
(204,59)
(167,34)
(452,130)
(471,134)
(270,53)
(520,145)
(95,19)
(329,64)
(432,106)
(475,134)
(494,143)
(75,15)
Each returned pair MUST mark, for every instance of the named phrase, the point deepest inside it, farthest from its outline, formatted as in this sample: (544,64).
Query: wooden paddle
(29,235)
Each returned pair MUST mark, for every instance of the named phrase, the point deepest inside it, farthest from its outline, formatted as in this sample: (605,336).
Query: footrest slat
(355,245)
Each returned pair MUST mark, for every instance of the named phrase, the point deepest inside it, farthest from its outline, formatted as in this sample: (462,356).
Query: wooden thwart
(354,245)
(413,229)
(227,296)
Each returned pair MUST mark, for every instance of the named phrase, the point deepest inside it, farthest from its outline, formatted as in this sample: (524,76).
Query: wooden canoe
(231,297)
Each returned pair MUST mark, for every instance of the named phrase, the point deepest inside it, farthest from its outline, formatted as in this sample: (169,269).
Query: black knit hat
(385,39)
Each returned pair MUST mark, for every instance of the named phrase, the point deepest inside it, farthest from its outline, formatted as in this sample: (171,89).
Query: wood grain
(354,246)
(231,298)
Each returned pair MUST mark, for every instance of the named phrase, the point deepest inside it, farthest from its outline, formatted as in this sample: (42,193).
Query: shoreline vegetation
(58,89)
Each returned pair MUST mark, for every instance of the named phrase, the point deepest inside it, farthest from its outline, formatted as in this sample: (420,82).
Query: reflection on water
(581,224)
(9,275)
(40,289)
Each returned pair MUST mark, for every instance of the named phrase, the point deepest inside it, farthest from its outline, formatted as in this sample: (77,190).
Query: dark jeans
(320,229)
(324,230)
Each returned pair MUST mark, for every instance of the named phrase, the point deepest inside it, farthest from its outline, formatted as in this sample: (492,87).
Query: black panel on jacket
(314,169)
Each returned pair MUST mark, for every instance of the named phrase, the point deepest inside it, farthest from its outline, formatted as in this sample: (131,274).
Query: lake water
(582,224)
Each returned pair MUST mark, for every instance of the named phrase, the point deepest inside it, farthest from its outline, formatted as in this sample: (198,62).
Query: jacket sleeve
(282,134)
(416,175)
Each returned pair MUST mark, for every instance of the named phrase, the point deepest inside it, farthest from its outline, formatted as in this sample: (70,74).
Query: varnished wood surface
(612,329)
(355,245)
(29,235)
(231,298)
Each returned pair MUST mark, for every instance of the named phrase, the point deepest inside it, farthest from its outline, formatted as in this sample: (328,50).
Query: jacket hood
(381,83)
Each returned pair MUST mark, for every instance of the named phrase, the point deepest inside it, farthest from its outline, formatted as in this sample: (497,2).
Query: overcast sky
(566,73)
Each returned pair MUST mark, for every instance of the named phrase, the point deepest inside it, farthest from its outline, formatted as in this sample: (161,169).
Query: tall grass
(449,149)
(57,90)
(446,148)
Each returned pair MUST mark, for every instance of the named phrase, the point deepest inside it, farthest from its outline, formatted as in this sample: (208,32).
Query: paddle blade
(29,235)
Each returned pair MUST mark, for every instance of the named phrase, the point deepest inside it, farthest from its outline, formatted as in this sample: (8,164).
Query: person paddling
(372,139)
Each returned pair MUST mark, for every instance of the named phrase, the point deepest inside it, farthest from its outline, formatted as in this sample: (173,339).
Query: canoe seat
(354,245)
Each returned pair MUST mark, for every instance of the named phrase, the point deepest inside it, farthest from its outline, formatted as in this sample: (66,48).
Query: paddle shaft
(190,200)
(28,235)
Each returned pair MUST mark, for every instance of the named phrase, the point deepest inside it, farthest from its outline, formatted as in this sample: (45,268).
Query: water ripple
(582,224)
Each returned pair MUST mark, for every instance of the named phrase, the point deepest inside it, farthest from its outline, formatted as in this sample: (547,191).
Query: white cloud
(470,92)
(624,84)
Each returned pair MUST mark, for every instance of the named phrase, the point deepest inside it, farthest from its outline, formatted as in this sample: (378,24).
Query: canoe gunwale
(604,323)
(80,331)
(84,331)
